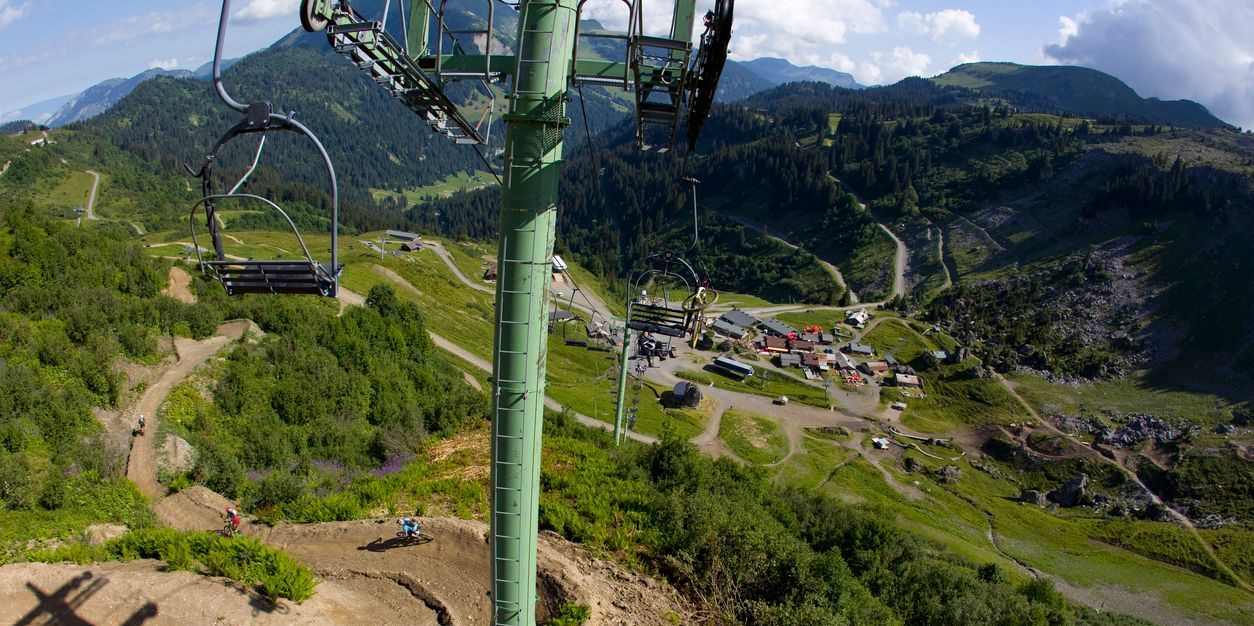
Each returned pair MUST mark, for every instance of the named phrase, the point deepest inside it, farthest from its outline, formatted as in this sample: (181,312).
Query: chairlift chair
(240,276)
(662,317)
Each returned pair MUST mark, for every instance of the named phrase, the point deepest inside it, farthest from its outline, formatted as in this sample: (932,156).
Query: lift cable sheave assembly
(545,68)
(241,276)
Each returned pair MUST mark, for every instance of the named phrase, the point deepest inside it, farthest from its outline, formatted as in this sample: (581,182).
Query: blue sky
(1198,49)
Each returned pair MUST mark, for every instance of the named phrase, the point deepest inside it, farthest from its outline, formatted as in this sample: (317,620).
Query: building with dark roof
(791,359)
(860,348)
(403,236)
(777,328)
(727,329)
(775,344)
(798,345)
(739,318)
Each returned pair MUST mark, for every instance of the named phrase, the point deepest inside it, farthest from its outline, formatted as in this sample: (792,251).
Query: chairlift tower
(669,83)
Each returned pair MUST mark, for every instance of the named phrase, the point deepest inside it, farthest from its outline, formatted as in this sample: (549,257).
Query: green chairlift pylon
(415,68)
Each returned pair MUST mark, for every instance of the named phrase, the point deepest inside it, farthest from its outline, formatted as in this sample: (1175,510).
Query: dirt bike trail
(179,286)
(141,465)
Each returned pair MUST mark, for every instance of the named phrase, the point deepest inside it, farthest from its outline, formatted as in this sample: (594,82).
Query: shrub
(242,559)
(571,614)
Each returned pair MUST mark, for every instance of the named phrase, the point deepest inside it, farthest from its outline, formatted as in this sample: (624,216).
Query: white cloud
(165,64)
(11,12)
(1202,50)
(1067,28)
(901,63)
(941,25)
(258,10)
(153,23)
(806,32)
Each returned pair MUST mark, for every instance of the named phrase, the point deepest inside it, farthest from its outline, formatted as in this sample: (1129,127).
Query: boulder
(950,474)
(1074,492)
(177,456)
(1033,496)
(97,534)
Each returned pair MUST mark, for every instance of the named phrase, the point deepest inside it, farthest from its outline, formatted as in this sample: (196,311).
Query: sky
(1197,49)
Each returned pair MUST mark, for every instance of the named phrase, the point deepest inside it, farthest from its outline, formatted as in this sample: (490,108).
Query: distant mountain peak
(779,71)
(1073,89)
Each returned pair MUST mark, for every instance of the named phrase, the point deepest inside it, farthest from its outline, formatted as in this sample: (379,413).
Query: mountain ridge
(779,71)
(1074,89)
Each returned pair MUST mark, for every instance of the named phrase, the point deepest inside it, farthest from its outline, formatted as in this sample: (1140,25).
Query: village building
(739,318)
(775,344)
(799,345)
(827,339)
(814,361)
(860,349)
(857,318)
(401,235)
(844,362)
(875,368)
(891,360)
(810,337)
(489,272)
(558,315)
(411,246)
(778,328)
(790,360)
(727,329)
(908,380)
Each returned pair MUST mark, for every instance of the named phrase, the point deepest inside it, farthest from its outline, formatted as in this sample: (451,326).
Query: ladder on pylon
(507,438)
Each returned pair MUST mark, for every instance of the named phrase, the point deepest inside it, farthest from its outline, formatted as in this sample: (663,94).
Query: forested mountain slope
(1131,222)
(1075,90)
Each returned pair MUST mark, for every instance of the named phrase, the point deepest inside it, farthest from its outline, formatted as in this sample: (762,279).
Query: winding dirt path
(179,286)
(832,270)
(899,262)
(90,209)
(444,255)
(940,255)
(141,465)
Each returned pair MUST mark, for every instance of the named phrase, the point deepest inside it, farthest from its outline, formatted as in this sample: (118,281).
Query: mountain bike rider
(232,518)
(410,527)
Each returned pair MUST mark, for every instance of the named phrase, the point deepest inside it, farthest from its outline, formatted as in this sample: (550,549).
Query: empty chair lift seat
(274,277)
(662,320)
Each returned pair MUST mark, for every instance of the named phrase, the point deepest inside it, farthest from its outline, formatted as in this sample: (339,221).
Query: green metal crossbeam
(504,64)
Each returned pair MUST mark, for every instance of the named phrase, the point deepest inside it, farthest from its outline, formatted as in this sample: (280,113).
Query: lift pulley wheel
(310,19)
